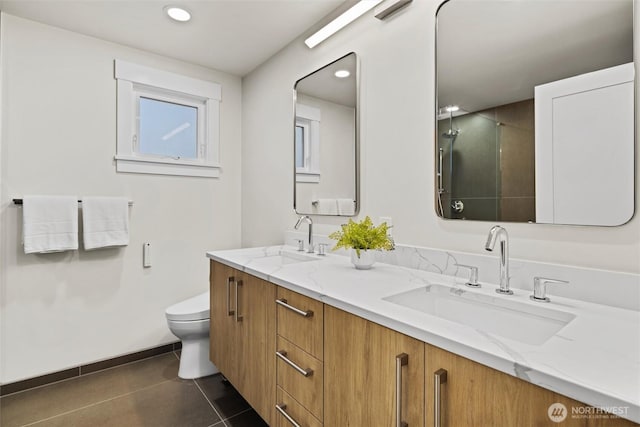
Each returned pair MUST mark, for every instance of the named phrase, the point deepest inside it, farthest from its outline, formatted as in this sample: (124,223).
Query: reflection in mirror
(326,140)
(526,107)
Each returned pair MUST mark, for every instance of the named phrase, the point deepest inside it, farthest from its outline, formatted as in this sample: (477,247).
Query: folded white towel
(327,207)
(105,221)
(346,206)
(49,223)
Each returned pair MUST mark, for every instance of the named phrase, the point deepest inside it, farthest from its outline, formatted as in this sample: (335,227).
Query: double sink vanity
(309,340)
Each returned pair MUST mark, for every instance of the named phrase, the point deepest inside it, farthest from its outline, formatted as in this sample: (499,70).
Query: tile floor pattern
(146,393)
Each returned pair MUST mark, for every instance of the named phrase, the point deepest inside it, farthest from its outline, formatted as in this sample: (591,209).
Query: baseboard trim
(18,386)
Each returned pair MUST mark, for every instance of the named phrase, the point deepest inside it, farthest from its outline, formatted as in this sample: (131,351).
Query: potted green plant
(363,238)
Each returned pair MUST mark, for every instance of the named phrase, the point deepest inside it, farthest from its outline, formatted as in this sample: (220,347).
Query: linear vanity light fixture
(357,10)
(390,7)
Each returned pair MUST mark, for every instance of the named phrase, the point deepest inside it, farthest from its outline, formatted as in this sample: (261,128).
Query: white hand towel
(327,207)
(346,206)
(105,221)
(49,223)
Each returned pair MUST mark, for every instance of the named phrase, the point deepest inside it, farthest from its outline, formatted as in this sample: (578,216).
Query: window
(167,123)
(307,144)
(167,129)
(300,142)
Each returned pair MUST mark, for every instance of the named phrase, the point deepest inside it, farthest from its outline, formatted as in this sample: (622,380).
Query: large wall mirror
(535,111)
(326,140)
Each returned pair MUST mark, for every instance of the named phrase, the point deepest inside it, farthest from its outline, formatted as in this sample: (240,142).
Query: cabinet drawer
(294,410)
(305,388)
(305,332)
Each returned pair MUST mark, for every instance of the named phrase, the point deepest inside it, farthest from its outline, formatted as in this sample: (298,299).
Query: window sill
(310,177)
(160,166)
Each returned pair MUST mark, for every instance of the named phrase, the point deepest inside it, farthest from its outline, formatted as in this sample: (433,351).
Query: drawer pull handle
(439,378)
(237,312)
(304,372)
(281,409)
(401,360)
(230,280)
(283,302)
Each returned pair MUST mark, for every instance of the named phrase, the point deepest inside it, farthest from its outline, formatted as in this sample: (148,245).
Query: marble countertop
(594,359)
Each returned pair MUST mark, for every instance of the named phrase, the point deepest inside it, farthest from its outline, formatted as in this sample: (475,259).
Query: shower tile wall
(517,161)
(491,167)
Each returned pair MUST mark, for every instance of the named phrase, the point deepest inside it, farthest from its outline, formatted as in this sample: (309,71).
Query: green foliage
(362,235)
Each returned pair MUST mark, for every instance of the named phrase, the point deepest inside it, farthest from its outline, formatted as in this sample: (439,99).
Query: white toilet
(189,321)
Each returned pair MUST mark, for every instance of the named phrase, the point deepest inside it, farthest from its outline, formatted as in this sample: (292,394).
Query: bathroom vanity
(311,341)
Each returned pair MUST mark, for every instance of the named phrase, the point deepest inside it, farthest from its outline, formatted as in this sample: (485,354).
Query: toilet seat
(195,308)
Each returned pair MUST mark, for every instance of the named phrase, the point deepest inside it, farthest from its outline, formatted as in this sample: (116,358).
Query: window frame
(134,81)
(309,119)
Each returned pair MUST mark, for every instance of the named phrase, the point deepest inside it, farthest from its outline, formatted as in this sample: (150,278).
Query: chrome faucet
(310,222)
(499,233)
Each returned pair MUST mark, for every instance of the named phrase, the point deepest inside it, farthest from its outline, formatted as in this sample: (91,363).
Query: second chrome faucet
(498,233)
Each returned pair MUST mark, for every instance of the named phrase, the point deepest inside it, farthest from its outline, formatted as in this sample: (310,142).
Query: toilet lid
(195,308)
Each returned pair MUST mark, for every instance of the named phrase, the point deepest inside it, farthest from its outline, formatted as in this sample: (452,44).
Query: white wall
(59,137)
(397,151)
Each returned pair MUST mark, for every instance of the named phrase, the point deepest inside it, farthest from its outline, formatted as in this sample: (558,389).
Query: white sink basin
(287,257)
(495,315)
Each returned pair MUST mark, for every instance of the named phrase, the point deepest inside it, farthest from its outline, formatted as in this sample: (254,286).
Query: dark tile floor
(143,393)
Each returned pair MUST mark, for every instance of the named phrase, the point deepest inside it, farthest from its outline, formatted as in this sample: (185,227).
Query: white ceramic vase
(365,261)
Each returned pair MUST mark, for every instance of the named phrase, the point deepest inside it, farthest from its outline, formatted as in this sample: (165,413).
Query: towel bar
(19,202)
(315,202)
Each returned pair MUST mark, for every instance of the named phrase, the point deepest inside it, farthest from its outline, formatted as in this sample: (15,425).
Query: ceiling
(493,52)
(323,83)
(234,36)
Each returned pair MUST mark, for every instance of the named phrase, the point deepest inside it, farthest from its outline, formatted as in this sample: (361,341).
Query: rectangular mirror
(326,140)
(535,111)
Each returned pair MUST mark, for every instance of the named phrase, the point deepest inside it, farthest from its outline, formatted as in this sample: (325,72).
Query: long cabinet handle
(230,280)
(303,313)
(439,378)
(304,372)
(401,360)
(281,409)
(237,312)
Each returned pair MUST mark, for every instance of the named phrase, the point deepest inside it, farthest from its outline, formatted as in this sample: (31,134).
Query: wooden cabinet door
(256,345)
(223,337)
(476,395)
(360,360)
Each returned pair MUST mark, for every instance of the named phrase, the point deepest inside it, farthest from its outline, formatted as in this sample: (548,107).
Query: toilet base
(194,359)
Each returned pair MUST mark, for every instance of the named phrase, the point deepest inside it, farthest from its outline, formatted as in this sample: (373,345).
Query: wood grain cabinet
(373,375)
(300,367)
(461,392)
(242,335)
(301,363)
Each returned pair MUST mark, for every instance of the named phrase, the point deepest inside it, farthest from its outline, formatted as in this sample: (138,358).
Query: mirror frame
(356,177)
(436,106)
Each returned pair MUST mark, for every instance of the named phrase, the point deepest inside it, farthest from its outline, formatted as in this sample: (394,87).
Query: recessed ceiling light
(341,74)
(178,13)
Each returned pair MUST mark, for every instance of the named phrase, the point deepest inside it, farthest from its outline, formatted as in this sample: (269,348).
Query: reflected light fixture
(178,13)
(452,108)
(357,10)
(342,74)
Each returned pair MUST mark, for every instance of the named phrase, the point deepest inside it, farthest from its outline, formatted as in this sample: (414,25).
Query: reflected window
(299,147)
(307,143)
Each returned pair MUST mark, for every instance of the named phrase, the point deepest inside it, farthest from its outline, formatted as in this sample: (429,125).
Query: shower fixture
(451,134)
